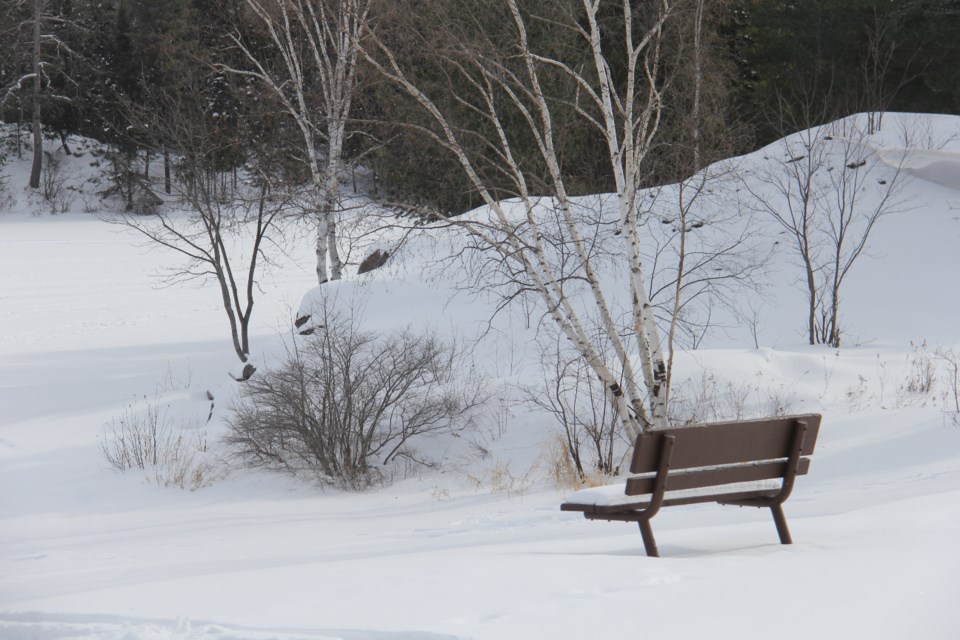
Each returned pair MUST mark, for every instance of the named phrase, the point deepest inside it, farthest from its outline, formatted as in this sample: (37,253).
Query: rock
(248,371)
(373,261)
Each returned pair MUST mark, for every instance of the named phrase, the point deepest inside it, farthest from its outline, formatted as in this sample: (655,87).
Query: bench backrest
(723,452)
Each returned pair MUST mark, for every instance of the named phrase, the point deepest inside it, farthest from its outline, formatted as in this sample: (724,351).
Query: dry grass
(172,455)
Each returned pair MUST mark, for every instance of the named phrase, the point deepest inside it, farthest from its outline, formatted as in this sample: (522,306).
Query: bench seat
(612,498)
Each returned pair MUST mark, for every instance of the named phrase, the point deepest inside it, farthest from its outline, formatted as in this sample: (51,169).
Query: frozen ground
(90,554)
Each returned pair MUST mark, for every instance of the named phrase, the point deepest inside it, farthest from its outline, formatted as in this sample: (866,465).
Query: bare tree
(221,217)
(825,194)
(573,395)
(698,55)
(707,254)
(314,77)
(880,57)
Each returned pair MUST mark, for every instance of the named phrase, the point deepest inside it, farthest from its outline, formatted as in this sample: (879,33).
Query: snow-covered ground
(89,553)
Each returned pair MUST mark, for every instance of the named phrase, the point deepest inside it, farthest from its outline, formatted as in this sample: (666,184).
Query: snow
(615,494)
(940,167)
(478,549)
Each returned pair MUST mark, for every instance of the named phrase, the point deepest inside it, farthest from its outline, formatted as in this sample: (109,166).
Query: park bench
(751,463)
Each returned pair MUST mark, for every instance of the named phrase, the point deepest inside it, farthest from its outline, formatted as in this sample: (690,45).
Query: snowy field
(88,553)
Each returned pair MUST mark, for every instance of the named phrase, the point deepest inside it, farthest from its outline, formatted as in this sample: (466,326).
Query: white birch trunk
(315,40)
(336,130)
(323,275)
(627,149)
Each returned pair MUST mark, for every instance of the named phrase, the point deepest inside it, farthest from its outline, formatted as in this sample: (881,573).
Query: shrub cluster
(173,455)
(347,402)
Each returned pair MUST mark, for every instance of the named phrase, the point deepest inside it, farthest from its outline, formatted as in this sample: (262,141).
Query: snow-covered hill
(478,547)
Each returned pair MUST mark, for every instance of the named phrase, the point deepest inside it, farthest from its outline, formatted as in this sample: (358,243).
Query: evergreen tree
(841,56)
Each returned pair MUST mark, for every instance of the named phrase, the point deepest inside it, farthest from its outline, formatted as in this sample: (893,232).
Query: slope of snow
(479,548)
(940,167)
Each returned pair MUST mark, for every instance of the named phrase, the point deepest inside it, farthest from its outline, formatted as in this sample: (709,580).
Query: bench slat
(635,512)
(724,443)
(679,480)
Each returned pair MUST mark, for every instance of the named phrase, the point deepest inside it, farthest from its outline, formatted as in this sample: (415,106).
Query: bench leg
(781,521)
(649,542)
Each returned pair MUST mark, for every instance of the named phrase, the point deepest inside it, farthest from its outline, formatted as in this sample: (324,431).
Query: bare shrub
(708,399)
(857,394)
(173,455)
(503,480)
(53,185)
(6,200)
(951,394)
(348,402)
(557,465)
(919,381)
(922,376)
(500,478)
(591,435)
(559,462)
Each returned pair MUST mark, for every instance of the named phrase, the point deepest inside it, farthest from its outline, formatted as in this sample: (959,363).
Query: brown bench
(749,464)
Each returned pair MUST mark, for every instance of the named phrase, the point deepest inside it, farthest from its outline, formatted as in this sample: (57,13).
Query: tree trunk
(812,299)
(336,131)
(63,141)
(130,179)
(37,132)
(322,222)
(239,348)
(166,171)
(697,82)
(336,266)
(20,132)
(834,335)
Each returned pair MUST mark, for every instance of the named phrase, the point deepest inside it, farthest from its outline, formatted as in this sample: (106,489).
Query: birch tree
(312,70)
(514,77)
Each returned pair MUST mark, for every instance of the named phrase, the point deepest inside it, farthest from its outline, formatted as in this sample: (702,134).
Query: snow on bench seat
(614,495)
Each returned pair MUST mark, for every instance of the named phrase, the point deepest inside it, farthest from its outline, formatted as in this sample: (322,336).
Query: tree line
(94,67)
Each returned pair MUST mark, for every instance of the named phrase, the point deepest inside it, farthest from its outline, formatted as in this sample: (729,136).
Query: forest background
(760,69)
